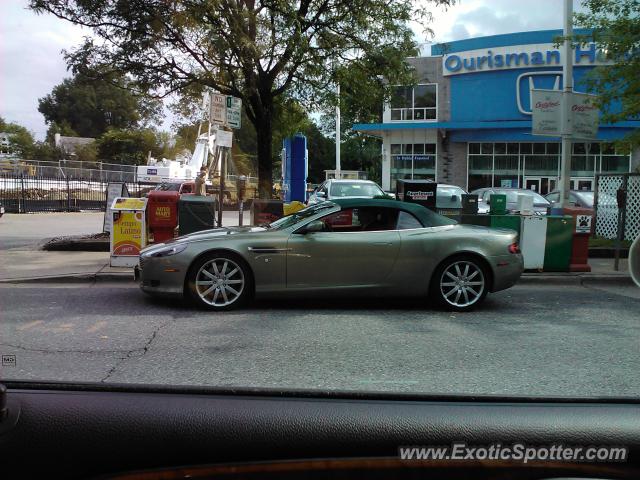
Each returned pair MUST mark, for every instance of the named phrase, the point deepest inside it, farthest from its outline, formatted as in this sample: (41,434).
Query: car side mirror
(321,194)
(314,226)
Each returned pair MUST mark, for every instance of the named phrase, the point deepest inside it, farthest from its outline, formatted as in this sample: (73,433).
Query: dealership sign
(520,56)
(546,119)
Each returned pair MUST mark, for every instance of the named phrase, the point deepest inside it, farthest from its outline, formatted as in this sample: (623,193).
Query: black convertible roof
(424,215)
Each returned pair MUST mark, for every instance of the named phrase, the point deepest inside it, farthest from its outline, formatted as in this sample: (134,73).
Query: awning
(497,131)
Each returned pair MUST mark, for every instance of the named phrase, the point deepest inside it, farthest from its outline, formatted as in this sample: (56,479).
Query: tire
(460,283)
(220,281)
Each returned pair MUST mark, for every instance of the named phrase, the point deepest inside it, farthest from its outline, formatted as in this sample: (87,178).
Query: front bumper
(159,277)
(507,270)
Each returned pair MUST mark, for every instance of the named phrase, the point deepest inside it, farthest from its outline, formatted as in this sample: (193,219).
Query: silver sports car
(385,248)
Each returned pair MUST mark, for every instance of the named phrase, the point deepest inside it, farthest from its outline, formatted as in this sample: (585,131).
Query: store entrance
(541,185)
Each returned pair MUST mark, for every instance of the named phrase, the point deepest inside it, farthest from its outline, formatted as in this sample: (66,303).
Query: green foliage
(20,141)
(616,29)
(257,51)
(130,147)
(88,104)
(87,153)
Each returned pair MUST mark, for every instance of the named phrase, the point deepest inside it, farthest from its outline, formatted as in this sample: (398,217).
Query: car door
(354,250)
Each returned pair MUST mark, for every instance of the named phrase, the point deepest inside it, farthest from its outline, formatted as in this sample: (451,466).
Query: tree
(129,147)
(615,28)
(88,104)
(21,141)
(258,50)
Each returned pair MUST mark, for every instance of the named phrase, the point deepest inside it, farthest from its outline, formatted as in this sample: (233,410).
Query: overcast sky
(31,62)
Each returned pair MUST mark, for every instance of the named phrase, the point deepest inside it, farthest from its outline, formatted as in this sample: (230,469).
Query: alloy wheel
(220,282)
(462,284)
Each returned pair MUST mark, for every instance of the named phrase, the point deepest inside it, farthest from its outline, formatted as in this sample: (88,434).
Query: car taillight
(514,248)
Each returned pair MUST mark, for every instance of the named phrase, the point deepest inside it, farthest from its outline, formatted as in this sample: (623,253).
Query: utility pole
(338,173)
(567,75)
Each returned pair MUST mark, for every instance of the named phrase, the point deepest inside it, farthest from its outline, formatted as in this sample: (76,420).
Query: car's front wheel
(220,281)
(460,283)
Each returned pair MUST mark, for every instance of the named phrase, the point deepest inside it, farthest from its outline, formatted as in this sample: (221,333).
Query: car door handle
(383,244)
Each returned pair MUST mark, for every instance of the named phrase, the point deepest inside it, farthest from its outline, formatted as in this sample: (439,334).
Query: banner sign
(546,114)
(586,116)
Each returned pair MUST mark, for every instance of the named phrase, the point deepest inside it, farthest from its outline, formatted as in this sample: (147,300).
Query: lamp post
(567,75)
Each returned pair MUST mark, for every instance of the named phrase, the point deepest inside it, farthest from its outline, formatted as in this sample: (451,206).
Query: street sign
(234,112)
(583,223)
(224,138)
(546,110)
(218,113)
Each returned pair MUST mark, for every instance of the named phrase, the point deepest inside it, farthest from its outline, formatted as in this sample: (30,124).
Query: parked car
(1,210)
(333,189)
(540,204)
(577,198)
(182,187)
(392,249)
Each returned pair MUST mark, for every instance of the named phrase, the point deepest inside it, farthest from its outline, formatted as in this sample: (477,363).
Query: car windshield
(259,118)
(355,189)
(512,196)
(449,197)
(290,220)
(168,187)
(586,197)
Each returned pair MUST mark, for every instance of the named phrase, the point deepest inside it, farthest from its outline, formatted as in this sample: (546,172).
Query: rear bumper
(507,270)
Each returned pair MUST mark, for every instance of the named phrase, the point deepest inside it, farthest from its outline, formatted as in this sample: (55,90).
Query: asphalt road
(538,338)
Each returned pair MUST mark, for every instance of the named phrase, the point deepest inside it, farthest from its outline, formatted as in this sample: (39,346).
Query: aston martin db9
(385,248)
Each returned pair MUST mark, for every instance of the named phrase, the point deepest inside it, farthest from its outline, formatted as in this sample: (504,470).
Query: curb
(576,278)
(75,278)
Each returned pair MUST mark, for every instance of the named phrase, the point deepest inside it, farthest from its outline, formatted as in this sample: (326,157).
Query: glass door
(532,183)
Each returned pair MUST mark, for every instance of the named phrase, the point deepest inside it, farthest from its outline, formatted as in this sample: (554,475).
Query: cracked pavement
(578,338)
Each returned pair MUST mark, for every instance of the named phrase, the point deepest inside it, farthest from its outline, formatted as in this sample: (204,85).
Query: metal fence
(73,169)
(607,212)
(37,193)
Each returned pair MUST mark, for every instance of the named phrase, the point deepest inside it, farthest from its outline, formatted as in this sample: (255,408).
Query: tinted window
(361,220)
(407,221)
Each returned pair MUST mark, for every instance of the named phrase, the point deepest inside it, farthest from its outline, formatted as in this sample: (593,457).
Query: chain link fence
(73,169)
(607,211)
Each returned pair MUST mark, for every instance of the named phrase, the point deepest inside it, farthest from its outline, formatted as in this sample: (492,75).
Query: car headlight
(167,251)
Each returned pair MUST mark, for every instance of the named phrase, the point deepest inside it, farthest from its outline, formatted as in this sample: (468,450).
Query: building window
(413,161)
(537,165)
(415,103)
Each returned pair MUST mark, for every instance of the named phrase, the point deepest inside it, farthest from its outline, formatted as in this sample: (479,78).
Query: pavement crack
(136,352)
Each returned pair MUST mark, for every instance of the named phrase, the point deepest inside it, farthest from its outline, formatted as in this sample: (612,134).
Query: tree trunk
(264,134)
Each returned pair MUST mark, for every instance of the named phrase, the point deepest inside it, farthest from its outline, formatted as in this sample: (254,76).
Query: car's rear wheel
(220,281)
(460,283)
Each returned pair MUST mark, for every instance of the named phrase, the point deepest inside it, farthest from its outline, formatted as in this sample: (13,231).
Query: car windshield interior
(341,189)
(290,220)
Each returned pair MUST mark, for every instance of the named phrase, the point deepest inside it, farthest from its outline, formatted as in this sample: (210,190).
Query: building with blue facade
(467,121)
